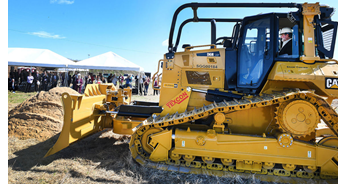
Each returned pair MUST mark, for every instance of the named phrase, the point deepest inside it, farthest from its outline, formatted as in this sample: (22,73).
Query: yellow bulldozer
(238,104)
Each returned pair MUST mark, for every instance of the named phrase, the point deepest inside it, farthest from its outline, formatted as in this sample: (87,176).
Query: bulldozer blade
(81,119)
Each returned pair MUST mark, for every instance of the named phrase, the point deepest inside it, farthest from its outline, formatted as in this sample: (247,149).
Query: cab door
(255,56)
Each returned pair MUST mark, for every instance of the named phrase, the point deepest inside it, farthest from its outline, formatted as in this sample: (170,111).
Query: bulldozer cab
(255,44)
(259,48)
(260,44)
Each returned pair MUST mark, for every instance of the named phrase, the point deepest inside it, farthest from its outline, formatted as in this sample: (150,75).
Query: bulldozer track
(327,114)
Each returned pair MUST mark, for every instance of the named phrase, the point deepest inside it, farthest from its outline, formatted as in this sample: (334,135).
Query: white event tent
(107,61)
(36,58)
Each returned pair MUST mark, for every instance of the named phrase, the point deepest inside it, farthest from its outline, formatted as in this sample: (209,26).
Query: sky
(134,29)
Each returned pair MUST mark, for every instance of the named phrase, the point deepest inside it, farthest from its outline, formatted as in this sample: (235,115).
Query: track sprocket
(298,117)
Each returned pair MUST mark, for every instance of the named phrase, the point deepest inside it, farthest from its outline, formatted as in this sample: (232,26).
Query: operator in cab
(286,42)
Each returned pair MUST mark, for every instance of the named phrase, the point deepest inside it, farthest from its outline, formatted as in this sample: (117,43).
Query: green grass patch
(19,97)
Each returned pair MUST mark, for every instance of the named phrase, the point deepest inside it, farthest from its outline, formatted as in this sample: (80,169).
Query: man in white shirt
(30,79)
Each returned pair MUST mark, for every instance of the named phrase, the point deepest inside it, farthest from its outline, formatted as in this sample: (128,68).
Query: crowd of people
(27,79)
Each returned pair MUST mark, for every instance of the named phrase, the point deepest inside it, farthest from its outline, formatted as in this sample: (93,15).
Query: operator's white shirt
(285,42)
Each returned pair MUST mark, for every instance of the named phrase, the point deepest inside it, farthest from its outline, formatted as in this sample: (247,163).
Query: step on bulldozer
(238,104)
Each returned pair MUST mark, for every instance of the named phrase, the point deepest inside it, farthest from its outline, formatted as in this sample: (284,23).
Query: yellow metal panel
(302,76)
(162,143)
(257,121)
(309,11)
(124,126)
(177,104)
(240,147)
(80,120)
(216,77)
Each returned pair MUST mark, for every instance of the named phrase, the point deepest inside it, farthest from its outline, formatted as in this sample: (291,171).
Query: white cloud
(43,34)
(62,1)
(165,43)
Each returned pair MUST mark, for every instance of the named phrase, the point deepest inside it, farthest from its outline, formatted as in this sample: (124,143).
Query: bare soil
(34,127)
(38,117)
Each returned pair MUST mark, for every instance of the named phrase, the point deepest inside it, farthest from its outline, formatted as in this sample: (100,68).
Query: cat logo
(331,83)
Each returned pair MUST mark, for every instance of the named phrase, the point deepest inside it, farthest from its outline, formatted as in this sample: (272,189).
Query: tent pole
(66,76)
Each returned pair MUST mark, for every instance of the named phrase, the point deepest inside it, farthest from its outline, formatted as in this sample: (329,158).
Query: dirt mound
(40,116)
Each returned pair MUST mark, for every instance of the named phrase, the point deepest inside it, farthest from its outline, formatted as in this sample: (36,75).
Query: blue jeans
(146,89)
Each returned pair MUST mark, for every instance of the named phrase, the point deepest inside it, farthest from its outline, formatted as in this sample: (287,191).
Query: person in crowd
(74,78)
(16,75)
(55,79)
(62,78)
(49,78)
(155,86)
(45,81)
(128,82)
(25,74)
(110,78)
(99,79)
(69,79)
(12,85)
(37,81)
(91,78)
(9,83)
(86,80)
(146,85)
(20,76)
(141,85)
(136,81)
(94,79)
(30,79)
(121,80)
(104,81)
(114,80)
(79,83)
(11,74)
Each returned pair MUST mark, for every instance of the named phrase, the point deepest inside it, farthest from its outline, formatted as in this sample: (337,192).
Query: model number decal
(207,66)
(168,85)
(177,100)
(331,83)
(209,54)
